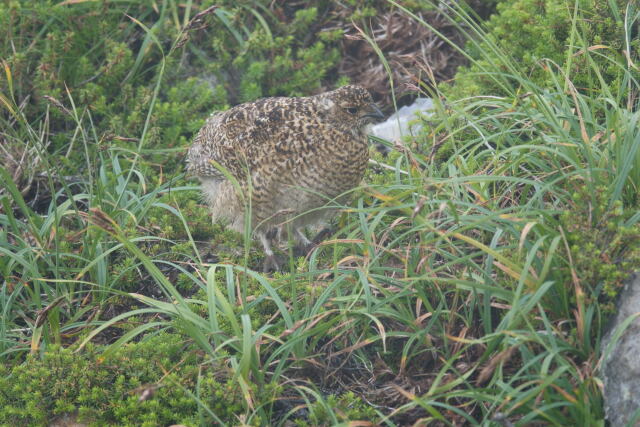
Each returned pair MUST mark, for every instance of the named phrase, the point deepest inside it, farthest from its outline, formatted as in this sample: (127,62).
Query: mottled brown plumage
(288,157)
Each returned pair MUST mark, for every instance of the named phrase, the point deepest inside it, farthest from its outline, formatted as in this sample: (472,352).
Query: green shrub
(93,56)
(529,31)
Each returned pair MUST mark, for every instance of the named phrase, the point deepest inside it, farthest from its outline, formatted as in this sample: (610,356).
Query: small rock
(397,125)
(621,369)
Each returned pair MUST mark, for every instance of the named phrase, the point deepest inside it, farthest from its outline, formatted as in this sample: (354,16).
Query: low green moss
(164,218)
(604,249)
(110,391)
(345,407)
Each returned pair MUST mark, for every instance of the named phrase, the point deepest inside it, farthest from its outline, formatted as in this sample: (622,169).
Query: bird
(283,160)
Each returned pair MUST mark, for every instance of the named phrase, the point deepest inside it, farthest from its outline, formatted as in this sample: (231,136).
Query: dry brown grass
(416,54)
(22,161)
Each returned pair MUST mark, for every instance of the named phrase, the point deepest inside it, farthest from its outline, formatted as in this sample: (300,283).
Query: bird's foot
(303,249)
(271,264)
(322,234)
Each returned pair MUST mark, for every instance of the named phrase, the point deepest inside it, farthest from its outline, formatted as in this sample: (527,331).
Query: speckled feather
(299,153)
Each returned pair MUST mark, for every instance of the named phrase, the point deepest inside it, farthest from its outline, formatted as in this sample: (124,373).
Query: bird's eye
(351,110)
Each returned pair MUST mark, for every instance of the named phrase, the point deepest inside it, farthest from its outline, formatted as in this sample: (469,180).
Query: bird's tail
(223,202)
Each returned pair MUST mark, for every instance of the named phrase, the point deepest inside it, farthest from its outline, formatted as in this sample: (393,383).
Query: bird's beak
(374,112)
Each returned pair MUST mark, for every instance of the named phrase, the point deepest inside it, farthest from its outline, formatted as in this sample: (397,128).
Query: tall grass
(448,294)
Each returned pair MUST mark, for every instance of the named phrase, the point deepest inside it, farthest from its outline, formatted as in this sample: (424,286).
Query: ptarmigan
(283,159)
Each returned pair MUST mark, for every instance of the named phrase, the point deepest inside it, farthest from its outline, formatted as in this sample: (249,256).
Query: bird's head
(352,106)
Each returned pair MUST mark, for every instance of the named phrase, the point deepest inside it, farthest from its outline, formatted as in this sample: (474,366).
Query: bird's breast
(333,167)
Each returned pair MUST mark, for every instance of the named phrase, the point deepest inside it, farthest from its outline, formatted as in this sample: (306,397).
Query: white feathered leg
(270,261)
(303,245)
